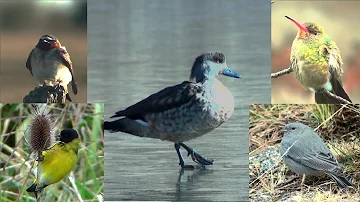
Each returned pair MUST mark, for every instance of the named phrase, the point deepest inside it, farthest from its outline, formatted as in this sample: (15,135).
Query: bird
(57,161)
(305,153)
(49,63)
(316,60)
(184,111)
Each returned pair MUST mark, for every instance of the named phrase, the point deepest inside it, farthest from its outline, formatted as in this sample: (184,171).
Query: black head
(216,57)
(48,42)
(209,65)
(68,135)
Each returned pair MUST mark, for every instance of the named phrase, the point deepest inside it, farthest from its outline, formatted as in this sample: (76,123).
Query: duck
(184,111)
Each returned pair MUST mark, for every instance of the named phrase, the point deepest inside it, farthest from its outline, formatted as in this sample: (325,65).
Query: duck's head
(208,65)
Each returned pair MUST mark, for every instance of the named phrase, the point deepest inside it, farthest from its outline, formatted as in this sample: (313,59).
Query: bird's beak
(228,72)
(300,26)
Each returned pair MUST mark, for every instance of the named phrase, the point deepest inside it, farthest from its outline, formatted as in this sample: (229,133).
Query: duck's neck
(200,73)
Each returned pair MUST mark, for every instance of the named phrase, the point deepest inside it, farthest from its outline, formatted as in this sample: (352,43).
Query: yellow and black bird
(58,161)
(316,60)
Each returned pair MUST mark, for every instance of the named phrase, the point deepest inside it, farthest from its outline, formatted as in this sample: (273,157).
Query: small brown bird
(49,63)
(317,62)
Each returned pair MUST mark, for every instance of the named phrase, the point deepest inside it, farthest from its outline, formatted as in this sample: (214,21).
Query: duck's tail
(134,127)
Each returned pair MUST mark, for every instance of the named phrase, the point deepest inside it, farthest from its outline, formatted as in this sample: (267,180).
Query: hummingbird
(316,60)
(49,63)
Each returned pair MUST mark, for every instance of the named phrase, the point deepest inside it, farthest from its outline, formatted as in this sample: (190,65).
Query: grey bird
(49,63)
(306,153)
(185,111)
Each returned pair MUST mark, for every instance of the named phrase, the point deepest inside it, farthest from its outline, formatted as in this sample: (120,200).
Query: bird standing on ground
(185,111)
(316,60)
(58,161)
(305,153)
(49,63)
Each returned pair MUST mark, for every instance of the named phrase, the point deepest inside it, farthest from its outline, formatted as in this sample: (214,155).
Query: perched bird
(182,112)
(49,63)
(58,161)
(316,60)
(306,153)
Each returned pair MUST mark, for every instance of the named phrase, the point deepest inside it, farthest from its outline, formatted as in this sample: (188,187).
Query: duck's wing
(166,99)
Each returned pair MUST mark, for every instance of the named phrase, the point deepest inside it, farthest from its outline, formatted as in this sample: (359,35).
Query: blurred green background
(340,19)
(16,164)
(22,23)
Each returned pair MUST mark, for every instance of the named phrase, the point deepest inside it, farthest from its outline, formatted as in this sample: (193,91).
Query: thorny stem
(282,72)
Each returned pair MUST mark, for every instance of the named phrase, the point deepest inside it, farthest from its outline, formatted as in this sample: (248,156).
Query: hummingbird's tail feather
(338,89)
(322,98)
(130,126)
(342,181)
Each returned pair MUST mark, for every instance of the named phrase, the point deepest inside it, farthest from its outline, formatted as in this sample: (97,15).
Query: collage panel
(304,152)
(43,51)
(315,48)
(173,52)
(52,152)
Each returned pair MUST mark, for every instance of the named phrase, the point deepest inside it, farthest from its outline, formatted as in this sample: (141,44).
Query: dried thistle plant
(40,128)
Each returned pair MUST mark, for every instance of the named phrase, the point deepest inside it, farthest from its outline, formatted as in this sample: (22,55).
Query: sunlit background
(340,21)
(22,24)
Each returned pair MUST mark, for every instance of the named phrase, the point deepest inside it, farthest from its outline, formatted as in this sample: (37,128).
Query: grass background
(337,125)
(16,161)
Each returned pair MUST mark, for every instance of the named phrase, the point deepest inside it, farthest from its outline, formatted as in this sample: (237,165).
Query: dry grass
(338,125)
(85,183)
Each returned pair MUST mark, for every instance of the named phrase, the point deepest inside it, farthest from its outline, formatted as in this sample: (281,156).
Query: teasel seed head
(40,129)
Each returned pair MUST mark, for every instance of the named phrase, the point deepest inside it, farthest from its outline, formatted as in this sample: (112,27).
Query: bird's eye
(293,128)
(315,33)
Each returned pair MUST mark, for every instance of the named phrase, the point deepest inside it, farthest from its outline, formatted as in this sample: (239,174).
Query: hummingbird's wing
(335,62)
(28,61)
(66,59)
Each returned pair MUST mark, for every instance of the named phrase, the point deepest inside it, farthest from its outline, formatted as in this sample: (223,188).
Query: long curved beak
(300,26)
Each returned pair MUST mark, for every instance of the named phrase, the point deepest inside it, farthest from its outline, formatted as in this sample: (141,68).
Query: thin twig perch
(282,72)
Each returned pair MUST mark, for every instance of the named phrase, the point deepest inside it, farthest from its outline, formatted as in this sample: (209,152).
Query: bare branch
(282,72)
(340,99)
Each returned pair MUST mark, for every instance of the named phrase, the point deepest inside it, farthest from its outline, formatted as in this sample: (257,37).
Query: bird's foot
(191,167)
(197,158)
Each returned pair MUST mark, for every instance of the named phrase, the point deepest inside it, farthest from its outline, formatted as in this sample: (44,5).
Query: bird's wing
(321,161)
(66,60)
(166,99)
(330,51)
(28,61)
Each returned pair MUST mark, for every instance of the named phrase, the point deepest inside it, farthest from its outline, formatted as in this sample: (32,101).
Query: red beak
(300,26)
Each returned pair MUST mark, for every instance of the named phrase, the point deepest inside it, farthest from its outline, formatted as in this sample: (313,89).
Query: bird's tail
(322,98)
(341,180)
(36,189)
(132,127)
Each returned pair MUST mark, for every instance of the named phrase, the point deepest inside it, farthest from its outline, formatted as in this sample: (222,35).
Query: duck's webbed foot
(197,158)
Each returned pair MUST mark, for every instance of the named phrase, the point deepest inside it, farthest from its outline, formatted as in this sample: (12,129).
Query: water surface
(137,48)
